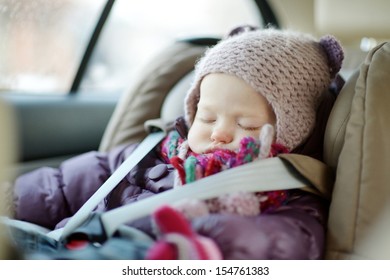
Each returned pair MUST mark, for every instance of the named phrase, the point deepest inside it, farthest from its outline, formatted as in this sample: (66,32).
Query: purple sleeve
(294,231)
(48,195)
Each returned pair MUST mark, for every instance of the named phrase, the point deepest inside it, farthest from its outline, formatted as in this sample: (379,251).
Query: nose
(221,136)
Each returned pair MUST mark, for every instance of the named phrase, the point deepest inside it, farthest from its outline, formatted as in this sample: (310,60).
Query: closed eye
(249,128)
(203,120)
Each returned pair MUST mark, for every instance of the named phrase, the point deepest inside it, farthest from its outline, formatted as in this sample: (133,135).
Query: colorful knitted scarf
(191,167)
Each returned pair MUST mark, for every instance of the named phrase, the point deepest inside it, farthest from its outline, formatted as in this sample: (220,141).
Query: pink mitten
(178,240)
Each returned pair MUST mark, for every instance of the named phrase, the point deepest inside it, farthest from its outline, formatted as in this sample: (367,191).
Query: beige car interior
(357,134)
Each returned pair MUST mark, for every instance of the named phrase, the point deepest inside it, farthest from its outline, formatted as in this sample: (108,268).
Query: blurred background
(64,64)
(42,41)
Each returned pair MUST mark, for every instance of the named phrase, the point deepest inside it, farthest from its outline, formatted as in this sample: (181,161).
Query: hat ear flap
(334,52)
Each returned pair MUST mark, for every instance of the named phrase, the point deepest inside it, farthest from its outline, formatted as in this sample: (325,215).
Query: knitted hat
(290,69)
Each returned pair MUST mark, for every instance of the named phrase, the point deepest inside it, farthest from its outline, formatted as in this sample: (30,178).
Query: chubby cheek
(255,134)
(198,138)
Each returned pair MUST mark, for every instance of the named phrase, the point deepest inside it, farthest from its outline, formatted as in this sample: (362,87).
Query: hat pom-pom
(334,52)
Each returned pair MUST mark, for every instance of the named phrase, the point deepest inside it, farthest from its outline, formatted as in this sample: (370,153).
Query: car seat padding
(144,100)
(361,192)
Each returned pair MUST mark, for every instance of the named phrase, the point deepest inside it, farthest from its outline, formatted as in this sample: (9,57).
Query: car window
(137,30)
(42,42)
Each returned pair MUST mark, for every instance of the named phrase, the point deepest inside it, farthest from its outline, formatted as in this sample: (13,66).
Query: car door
(44,50)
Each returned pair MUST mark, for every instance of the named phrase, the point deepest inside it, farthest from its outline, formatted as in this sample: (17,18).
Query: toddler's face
(228,110)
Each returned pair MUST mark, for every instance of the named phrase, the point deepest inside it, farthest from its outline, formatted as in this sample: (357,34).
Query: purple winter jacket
(48,197)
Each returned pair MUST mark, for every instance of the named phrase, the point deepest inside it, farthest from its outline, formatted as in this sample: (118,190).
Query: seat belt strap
(261,175)
(139,153)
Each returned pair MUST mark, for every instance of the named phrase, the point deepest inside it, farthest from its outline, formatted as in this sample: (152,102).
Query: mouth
(217,148)
(210,151)
(214,148)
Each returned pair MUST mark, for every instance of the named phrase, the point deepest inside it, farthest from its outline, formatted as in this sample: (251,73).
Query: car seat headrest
(144,100)
(173,106)
(335,129)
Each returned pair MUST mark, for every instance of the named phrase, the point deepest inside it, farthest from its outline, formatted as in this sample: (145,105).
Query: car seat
(157,93)
(356,147)
(354,208)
